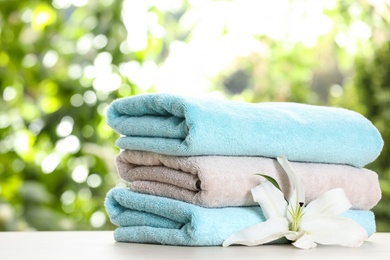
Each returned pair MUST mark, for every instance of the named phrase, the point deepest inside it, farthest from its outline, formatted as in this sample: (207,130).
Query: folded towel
(151,219)
(182,126)
(219,181)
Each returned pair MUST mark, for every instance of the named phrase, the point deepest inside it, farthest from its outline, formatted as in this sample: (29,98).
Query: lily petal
(292,206)
(300,192)
(293,235)
(259,234)
(305,242)
(271,200)
(332,202)
(330,230)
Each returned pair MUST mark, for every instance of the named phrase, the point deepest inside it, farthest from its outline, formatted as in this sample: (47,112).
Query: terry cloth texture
(188,126)
(145,218)
(219,181)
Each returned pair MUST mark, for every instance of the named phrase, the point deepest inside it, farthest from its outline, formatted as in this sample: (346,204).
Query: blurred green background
(63,61)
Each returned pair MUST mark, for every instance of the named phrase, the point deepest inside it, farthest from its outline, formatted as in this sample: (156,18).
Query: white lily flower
(318,222)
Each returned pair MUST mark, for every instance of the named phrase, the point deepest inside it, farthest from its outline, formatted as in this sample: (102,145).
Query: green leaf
(270,179)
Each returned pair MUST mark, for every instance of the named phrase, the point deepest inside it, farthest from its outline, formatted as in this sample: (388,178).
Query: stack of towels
(190,164)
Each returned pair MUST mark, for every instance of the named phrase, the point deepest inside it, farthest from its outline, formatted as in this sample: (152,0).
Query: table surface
(101,245)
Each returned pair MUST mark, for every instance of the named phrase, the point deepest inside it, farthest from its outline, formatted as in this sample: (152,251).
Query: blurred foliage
(56,151)
(63,61)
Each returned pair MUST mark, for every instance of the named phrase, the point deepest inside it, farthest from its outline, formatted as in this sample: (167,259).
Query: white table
(101,245)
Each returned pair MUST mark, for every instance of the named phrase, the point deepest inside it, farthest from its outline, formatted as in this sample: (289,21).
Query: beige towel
(219,181)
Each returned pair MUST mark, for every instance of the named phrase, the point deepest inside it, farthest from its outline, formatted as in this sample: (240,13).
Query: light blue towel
(146,218)
(185,126)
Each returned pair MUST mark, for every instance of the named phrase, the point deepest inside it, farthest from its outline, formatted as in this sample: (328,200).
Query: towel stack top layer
(188,126)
